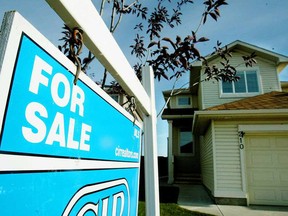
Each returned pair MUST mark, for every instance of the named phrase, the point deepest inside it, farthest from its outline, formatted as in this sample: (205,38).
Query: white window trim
(230,95)
(184,106)
(264,128)
(118,97)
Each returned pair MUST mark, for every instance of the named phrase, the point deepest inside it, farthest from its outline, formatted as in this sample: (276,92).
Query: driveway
(196,198)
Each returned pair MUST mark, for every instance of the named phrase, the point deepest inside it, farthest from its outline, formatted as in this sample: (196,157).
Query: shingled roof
(271,100)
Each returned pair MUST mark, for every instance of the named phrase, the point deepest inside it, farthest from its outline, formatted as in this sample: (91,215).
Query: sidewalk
(196,198)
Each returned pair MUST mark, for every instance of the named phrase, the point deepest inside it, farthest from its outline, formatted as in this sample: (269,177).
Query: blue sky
(263,23)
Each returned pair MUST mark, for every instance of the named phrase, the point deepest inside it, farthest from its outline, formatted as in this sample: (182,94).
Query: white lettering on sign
(112,195)
(36,113)
(105,207)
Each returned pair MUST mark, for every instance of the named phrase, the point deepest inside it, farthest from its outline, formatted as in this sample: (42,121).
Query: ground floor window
(186,141)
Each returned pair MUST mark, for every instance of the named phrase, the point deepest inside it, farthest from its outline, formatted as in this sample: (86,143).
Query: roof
(271,106)
(280,60)
(238,44)
(272,100)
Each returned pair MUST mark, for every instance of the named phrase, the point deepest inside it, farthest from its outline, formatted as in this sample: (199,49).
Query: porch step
(187,178)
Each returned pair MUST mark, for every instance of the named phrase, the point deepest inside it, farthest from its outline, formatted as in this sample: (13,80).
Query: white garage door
(267,169)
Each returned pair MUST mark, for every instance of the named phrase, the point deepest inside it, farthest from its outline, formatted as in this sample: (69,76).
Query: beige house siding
(206,158)
(227,154)
(268,79)
(228,167)
(200,97)
(210,94)
(269,76)
(195,102)
(193,99)
(173,102)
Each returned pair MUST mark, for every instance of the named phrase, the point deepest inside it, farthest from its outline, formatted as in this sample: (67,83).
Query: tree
(169,58)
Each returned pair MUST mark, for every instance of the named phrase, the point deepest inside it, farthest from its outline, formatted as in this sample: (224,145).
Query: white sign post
(150,148)
(98,39)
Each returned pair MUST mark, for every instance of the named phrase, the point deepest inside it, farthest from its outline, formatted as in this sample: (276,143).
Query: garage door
(267,169)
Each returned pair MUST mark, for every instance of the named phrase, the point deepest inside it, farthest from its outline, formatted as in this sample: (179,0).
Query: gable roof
(249,48)
(280,60)
(271,100)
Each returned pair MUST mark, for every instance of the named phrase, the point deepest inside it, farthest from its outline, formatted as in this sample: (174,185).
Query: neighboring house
(284,86)
(233,136)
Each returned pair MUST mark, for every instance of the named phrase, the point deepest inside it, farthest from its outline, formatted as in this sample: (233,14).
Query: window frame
(184,105)
(113,96)
(245,94)
(179,139)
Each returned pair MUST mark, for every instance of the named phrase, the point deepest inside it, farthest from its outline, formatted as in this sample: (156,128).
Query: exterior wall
(227,160)
(173,102)
(206,159)
(194,101)
(211,91)
(200,97)
(229,172)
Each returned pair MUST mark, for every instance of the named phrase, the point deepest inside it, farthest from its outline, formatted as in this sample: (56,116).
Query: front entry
(186,153)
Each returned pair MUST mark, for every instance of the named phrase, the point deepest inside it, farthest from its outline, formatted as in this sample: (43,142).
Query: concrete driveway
(196,198)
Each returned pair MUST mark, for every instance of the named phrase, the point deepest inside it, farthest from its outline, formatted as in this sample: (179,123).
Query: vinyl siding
(268,81)
(193,99)
(200,97)
(173,102)
(206,158)
(269,77)
(227,153)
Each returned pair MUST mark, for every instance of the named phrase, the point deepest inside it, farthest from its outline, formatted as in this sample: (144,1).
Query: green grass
(170,209)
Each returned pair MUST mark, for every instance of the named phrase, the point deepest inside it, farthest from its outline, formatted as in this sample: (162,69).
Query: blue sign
(47,116)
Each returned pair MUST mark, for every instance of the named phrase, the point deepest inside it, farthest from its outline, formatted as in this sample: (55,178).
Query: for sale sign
(65,149)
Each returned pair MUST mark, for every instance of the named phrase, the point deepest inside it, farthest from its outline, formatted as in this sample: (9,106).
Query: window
(247,84)
(186,141)
(184,101)
(115,97)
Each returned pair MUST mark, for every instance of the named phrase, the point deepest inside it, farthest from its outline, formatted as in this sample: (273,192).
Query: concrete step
(188,178)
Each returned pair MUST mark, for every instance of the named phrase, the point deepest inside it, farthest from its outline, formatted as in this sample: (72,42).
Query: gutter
(213,114)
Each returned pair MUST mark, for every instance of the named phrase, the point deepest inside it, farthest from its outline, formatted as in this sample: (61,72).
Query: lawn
(170,209)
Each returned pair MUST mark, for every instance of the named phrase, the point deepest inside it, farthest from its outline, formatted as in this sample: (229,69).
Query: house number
(241,135)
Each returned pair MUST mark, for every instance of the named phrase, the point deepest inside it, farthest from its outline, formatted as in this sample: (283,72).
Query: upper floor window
(115,97)
(184,101)
(247,84)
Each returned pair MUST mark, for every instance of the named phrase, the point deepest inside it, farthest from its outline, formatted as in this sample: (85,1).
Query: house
(284,85)
(233,136)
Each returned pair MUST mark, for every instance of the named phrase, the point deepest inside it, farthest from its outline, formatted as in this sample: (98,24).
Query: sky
(263,23)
